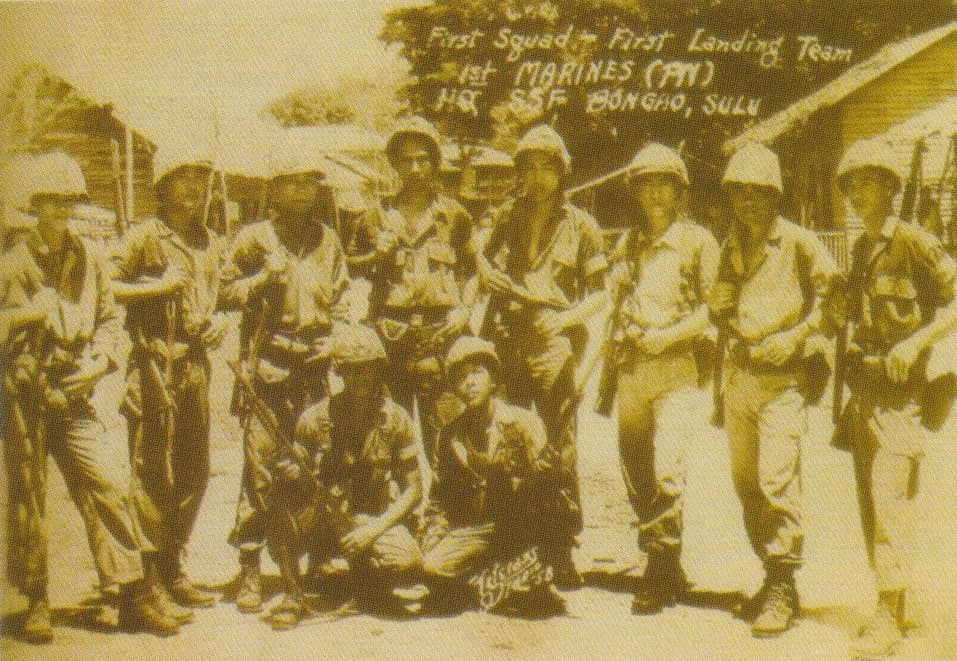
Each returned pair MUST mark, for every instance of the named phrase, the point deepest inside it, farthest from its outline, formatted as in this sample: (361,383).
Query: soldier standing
(494,468)
(365,480)
(771,278)
(900,303)
(544,264)
(415,247)
(56,291)
(662,273)
(166,271)
(288,275)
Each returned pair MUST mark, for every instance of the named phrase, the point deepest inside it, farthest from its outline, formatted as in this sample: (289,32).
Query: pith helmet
(656,158)
(544,138)
(869,153)
(15,192)
(357,344)
(469,347)
(754,165)
(290,155)
(415,126)
(165,163)
(55,173)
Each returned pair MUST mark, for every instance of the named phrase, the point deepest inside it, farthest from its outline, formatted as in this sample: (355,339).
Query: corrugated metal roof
(847,83)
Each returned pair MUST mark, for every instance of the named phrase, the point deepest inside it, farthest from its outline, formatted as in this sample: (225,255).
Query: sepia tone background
(173,75)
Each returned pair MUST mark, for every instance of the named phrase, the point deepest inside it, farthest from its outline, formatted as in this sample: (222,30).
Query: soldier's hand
(901,358)
(549,322)
(386,242)
(46,300)
(275,267)
(722,298)
(287,470)
(455,321)
(173,282)
(493,279)
(85,378)
(55,399)
(361,538)
(777,348)
(213,336)
(654,341)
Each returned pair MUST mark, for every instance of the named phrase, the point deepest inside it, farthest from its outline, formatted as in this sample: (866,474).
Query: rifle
(333,500)
(608,381)
(119,204)
(913,185)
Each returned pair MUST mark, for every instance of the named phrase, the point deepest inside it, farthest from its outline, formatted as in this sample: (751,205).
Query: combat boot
(155,579)
(186,594)
(181,589)
(663,585)
(566,576)
(38,627)
(780,606)
(140,610)
(880,636)
(249,598)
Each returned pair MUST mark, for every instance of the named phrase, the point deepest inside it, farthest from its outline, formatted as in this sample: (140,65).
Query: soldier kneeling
(350,483)
(493,502)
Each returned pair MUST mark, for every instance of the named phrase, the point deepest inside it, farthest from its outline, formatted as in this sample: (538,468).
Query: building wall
(85,135)
(921,82)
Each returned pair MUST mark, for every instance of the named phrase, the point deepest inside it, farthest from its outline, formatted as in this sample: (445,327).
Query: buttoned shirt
(430,261)
(897,283)
(780,289)
(152,248)
(369,461)
(569,261)
(667,278)
(316,274)
(508,446)
(85,323)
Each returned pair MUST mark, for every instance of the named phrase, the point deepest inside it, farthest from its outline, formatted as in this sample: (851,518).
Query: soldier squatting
(335,468)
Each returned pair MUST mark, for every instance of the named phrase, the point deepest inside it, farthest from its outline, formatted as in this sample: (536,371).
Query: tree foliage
(602,140)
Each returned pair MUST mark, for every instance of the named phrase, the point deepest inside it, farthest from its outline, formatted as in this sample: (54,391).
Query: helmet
(470,347)
(290,155)
(357,344)
(165,163)
(755,165)
(544,138)
(15,192)
(417,126)
(656,158)
(55,173)
(869,153)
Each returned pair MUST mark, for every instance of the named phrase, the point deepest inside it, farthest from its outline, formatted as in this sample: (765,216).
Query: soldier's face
(187,190)
(53,213)
(658,196)
(296,194)
(474,384)
(413,162)
(871,193)
(754,206)
(540,176)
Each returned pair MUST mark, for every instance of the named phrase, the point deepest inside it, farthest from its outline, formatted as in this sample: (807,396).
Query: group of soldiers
(408,391)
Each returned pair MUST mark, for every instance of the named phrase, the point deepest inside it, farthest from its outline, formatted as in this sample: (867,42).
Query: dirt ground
(836,588)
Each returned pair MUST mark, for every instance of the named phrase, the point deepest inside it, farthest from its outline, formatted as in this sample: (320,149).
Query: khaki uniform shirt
(510,446)
(666,279)
(152,247)
(779,291)
(428,267)
(368,462)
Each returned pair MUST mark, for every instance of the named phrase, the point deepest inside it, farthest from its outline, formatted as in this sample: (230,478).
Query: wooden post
(129,173)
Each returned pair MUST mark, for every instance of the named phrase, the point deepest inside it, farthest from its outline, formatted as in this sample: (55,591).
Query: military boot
(155,578)
(38,627)
(650,594)
(141,610)
(249,598)
(566,576)
(780,606)
(181,589)
(880,636)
